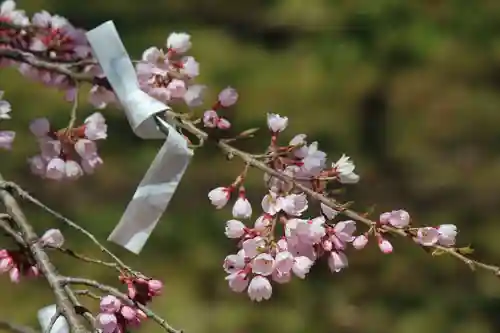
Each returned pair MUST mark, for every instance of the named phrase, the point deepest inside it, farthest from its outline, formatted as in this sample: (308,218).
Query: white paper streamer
(45,316)
(160,182)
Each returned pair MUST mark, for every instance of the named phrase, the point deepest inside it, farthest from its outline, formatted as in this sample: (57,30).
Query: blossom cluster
(19,263)
(282,243)
(116,317)
(69,152)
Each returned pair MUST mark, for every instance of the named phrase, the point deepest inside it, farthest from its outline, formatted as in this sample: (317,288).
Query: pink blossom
(53,238)
(177,88)
(235,229)
(6,262)
(86,148)
(238,281)
(329,213)
(210,119)
(281,277)
(155,287)
(107,322)
(314,161)
(396,218)
(276,123)
(284,261)
(253,246)
(301,266)
(234,262)
(95,127)
(5,107)
(242,208)
(294,204)
(344,168)
(72,170)
(447,234)
(343,230)
(228,97)
(223,124)
(9,13)
(40,127)
(190,67)
(15,275)
(90,163)
(6,139)
(299,141)
(194,95)
(155,56)
(219,196)
(427,236)
(271,204)
(263,264)
(179,42)
(262,222)
(260,289)
(56,169)
(360,242)
(100,97)
(110,304)
(384,245)
(337,261)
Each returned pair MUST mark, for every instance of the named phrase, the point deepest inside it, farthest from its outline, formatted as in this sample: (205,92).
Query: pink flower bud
(242,208)
(276,123)
(4,254)
(33,271)
(360,242)
(128,313)
(6,264)
(219,196)
(107,322)
(155,286)
(40,127)
(14,275)
(180,42)
(110,304)
(234,229)
(228,97)
(385,246)
(223,124)
(210,119)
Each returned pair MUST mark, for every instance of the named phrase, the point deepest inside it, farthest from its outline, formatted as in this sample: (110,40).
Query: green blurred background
(409,89)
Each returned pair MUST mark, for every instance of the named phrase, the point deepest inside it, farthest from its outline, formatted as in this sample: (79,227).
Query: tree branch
(30,238)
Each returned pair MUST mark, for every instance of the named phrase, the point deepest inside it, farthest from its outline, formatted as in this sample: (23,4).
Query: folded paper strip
(160,182)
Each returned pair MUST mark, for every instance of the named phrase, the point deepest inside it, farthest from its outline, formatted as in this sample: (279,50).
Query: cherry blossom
(276,123)
(53,238)
(396,218)
(179,42)
(67,153)
(228,97)
(345,170)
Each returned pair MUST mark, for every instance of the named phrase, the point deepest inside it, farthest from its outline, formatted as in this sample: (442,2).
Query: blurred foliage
(409,89)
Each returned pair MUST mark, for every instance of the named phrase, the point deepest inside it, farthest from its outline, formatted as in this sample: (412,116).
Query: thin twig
(25,195)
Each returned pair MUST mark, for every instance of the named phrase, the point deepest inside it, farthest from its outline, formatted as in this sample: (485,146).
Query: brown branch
(30,238)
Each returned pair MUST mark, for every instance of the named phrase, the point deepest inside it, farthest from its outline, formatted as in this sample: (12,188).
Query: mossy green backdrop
(409,89)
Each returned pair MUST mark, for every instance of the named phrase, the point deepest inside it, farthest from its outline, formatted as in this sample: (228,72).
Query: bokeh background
(409,89)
